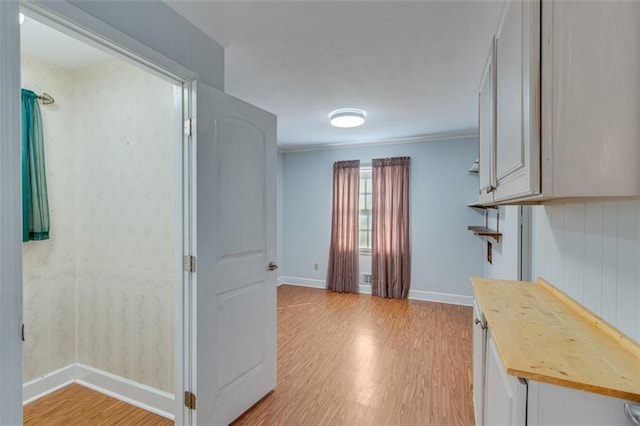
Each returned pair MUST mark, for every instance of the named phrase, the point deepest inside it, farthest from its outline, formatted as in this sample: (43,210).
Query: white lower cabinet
(506,400)
(555,405)
(505,396)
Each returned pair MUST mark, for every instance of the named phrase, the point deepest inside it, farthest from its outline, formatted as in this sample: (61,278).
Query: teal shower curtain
(35,206)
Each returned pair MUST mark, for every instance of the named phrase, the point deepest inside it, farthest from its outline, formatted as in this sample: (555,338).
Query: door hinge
(189,263)
(189,400)
(187,127)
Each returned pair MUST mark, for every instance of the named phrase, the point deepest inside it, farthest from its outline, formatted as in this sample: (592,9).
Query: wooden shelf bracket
(485,231)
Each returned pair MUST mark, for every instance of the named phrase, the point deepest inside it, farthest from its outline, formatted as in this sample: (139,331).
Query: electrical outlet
(489,252)
(315,266)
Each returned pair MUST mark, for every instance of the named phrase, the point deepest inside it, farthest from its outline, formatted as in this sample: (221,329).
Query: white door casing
(235,307)
(10,218)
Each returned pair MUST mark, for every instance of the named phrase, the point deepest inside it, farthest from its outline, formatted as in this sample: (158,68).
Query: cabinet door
(591,98)
(554,405)
(486,130)
(505,396)
(479,362)
(517,59)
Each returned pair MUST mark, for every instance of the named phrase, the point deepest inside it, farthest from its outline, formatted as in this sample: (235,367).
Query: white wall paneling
(592,252)
(444,252)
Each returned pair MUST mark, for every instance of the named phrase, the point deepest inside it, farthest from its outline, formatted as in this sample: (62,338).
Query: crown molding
(435,137)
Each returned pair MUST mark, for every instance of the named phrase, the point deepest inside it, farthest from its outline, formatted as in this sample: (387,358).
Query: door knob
(272,266)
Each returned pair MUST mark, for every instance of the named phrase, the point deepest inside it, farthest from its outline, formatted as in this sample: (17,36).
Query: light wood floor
(342,359)
(362,360)
(79,405)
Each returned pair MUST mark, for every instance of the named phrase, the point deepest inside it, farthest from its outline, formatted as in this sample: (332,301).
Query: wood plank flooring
(79,405)
(343,359)
(362,360)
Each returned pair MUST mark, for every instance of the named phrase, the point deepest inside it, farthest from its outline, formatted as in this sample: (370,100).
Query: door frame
(80,25)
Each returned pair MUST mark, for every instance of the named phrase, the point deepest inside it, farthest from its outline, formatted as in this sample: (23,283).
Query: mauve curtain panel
(342,273)
(390,253)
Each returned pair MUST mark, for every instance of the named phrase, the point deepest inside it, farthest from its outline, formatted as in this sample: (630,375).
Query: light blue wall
(444,252)
(280,214)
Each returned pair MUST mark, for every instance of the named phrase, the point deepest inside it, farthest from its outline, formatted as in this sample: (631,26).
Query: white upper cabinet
(567,103)
(517,158)
(591,99)
(486,130)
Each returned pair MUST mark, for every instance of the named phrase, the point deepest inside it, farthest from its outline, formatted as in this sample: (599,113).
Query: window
(365,209)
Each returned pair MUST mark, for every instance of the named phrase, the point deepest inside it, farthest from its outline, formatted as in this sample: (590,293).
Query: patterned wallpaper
(50,266)
(125,222)
(119,240)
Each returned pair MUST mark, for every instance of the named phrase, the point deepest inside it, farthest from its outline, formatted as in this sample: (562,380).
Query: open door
(235,285)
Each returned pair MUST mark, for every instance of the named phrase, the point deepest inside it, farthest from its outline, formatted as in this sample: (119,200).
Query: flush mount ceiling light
(347,117)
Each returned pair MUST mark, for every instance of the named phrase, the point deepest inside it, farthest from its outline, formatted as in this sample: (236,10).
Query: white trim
(393,141)
(365,289)
(10,217)
(280,281)
(50,382)
(134,393)
(449,299)
(428,296)
(302,282)
(75,22)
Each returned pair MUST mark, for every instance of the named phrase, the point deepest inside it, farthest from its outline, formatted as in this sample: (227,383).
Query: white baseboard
(280,281)
(432,296)
(365,288)
(428,296)
(303,282)
(48,383)
(134,393)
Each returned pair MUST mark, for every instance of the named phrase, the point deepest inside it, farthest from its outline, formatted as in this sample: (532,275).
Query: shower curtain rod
(46,98)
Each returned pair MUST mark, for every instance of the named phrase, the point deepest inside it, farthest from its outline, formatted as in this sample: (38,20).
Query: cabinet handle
(477,321)
(490,189)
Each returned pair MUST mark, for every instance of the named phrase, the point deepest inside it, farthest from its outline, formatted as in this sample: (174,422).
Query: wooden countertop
(544,335)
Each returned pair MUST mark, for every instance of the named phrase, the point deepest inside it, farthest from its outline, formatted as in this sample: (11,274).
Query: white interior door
(235,326)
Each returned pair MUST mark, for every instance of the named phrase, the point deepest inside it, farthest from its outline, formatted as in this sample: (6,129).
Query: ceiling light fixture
(347,117)
(21,18)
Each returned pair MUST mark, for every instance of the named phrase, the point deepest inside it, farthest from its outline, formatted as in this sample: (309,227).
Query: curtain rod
(46,98)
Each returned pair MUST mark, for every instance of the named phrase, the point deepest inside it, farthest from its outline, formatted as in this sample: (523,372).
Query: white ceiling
(414,67)
(42,42)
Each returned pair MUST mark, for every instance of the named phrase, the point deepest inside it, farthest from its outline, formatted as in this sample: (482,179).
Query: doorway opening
(103,296)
